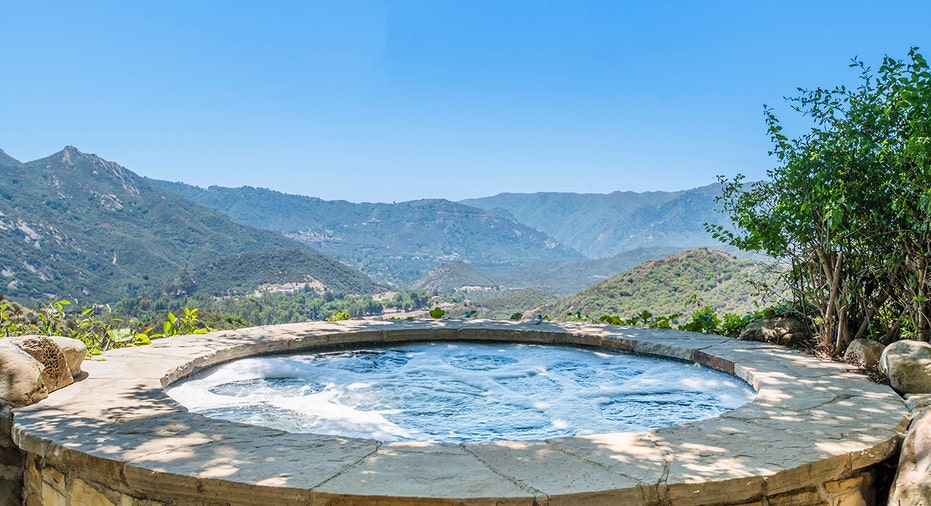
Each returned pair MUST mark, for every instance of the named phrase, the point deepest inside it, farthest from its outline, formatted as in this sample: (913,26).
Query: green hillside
(518,301)
(566,278)
(664,286)
(397,243)
(603,225)
(453,276)
(74,225)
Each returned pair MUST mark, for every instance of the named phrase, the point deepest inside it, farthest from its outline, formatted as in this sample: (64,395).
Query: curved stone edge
(509,472)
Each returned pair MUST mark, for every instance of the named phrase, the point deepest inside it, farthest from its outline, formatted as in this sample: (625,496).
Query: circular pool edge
(814,433)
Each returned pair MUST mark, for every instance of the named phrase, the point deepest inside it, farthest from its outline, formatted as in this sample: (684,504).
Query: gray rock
(784,330)
(908,366)
(917,402)
(74,350)
(864,353)
(55,374)
(912,485)
(21,377)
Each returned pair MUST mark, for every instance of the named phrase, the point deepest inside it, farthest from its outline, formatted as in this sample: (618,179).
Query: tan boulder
(864,353)
(20,377)
(908,365)
(784,330)
(912,485)
(56,373)
(74,350)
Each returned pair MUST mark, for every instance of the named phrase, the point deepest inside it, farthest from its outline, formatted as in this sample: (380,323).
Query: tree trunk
(833,279)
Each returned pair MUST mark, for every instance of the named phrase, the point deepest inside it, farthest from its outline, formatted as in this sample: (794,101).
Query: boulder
(784,330)
(56,374)
(908,366)
(864,353)
(74,350)
(21,378)
(912,485)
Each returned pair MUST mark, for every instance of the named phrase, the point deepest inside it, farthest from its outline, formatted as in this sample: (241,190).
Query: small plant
(470,313)
(644,319)
(51,316)
(705,320)
(734,323)
(517,316)
(437,313)
(182,325)
(8,326)
(577,316)
(339,316)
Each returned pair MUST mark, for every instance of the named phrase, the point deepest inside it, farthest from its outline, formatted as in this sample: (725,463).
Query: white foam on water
(454,392)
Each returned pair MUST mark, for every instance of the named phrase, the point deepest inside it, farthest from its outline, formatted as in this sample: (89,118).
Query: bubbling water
(456,392)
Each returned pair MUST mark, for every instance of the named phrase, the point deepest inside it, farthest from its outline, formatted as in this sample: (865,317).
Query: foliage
(339,316)
(437,313)
(14,319)
(187,323)
(516,316)
(704,320)
(95,325)
(849,205)
(644,319)
(660,286)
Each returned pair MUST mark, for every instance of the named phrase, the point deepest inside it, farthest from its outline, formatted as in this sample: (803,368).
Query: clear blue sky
(398,100)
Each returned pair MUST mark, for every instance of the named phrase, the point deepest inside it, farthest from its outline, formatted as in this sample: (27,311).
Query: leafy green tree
(848,205)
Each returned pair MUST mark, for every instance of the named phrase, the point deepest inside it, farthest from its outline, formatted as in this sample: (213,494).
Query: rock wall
(30,367)
(11,463)
(56,482)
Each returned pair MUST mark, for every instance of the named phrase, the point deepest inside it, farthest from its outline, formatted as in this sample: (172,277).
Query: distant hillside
(453,276)
(663,287)
(603,225)
(268,271)
(566,278)
(520,301)
(398,243)
(74,225)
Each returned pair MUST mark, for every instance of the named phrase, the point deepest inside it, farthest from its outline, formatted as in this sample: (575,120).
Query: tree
(848,205)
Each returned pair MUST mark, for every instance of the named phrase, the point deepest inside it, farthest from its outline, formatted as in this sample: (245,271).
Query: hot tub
(814,434)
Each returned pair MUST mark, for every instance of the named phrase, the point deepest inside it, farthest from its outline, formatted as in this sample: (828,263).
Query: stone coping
(811,422)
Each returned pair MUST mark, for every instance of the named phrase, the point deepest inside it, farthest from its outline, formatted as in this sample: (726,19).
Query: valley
(82,228)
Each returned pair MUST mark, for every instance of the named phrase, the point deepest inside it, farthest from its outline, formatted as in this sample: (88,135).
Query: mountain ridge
(7,159)
(398,242)
(602,225)
(76,225)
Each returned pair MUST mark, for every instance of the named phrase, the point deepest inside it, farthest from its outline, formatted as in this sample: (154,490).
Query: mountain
(6,159)
(663,287)
(519,301)
(552,277)
(603,225)
(566,278)
(397,243)
(453,276)
(75,225)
